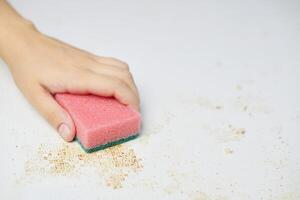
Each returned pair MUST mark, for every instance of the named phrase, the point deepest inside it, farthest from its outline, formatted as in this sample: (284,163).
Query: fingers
(53,113)
(117,72)
(114,67)
(111,61)
(102,85)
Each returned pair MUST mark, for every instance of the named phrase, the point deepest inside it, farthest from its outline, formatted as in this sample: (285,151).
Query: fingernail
(64,131)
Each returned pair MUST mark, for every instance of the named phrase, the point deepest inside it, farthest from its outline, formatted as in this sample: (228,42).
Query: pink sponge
(100,121)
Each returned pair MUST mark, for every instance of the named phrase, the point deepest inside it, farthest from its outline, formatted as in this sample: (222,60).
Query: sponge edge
(107,145)
(100,122)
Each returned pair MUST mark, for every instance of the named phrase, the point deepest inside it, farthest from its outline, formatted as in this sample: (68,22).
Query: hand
(43,66)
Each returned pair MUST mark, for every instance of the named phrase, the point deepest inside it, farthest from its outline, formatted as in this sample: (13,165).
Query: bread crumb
(114,164)
(239,131)
(219,107)
(239,87)
(228,151)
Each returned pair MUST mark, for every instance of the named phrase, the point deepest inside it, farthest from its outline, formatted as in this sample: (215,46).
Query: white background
(205,69)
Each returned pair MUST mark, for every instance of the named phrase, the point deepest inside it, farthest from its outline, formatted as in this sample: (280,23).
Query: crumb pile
(114,164)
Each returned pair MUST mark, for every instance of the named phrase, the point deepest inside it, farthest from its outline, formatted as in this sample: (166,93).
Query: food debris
(219,107)
(114,164)
(239,87)
(239,131)
(115,181)
(228,133)
(228,151)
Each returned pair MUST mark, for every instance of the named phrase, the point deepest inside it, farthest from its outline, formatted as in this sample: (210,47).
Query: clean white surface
(203,68)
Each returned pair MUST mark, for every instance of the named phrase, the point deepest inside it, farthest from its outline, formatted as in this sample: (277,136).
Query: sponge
(100,121)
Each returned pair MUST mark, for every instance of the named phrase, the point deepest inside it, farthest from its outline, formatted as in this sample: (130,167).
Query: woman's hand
(42,66)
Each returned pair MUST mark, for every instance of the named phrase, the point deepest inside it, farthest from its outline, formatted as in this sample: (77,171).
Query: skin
(43,66)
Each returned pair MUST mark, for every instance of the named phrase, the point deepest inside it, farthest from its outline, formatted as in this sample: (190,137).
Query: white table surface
(219,82)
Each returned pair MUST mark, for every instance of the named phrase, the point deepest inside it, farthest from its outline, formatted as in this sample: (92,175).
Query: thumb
(45,103)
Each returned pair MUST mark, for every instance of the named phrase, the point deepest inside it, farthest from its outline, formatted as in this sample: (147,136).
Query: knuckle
(124,65)
(120,86)
(120,63)
(126,75)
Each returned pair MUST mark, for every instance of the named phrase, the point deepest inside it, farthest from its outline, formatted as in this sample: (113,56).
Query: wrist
(18,36)
(15,38)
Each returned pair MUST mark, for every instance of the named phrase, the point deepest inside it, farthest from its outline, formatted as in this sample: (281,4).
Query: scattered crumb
(239,87)
(124,159)
(239,131)
(228,151)
(200,196)
(175,184)
(207,103)
(219,107)
(251,104)
(114,164)
(115,181)
(228,133)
